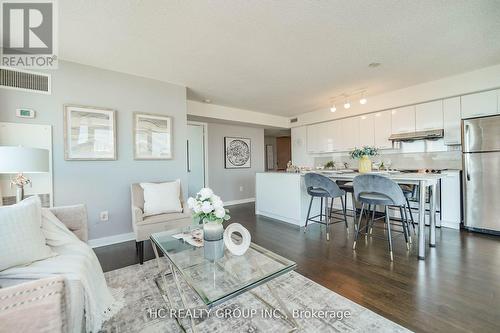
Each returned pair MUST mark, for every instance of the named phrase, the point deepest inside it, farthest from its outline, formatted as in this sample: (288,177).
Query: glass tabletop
(216,282)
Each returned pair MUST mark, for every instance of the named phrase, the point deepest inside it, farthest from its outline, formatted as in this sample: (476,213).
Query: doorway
(283,151)
(196,157)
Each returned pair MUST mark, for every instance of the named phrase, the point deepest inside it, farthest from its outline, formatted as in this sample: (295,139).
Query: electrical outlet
(241,188)
(104,216)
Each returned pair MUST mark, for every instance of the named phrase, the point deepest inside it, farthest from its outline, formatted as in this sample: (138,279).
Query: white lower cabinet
(452,121)
(382,129)
(366,130)
(450,199)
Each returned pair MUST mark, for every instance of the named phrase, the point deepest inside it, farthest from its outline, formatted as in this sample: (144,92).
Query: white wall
(226,182)
(104,185)
(478,80)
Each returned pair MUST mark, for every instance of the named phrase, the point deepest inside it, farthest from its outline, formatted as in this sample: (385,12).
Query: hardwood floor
(457,288)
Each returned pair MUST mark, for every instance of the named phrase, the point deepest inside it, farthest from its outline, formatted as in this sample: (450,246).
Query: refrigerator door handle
(466,138)
(466,166)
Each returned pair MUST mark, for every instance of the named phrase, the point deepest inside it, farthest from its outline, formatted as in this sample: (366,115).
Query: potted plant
(208,209)
(330,165)
(364,154)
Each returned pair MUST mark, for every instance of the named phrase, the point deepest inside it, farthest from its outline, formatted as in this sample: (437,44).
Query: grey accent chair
(378,190)
(144,226)
(319,186)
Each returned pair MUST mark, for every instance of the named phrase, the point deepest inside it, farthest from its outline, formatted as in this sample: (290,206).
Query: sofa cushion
(21,238)
(162,198)
(161,218)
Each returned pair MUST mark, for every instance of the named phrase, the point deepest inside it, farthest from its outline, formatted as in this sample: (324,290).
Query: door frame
(205,148)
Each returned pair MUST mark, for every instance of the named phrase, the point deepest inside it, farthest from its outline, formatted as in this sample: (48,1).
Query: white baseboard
(237,202)
(98,242)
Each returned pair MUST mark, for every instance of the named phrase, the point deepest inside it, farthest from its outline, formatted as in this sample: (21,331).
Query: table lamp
(21,160)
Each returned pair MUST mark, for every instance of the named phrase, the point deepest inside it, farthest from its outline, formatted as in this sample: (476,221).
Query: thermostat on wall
(25,113)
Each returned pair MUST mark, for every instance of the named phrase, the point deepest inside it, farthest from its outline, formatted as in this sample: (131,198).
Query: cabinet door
(382,127)
(429,116)
(312,138)
(480,104)
(350,133)
(366,130)
(403,120)
(334,128)
(451,120)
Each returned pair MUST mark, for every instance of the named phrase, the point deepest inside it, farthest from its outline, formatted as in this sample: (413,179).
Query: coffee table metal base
(287,315)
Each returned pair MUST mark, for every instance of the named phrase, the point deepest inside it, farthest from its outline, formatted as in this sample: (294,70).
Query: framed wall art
(152,136)
(237,153)
(89,133)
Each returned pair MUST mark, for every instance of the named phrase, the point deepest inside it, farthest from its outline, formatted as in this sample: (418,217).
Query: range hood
(420,135)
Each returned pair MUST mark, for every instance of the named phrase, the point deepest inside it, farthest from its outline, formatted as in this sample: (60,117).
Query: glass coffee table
(219,281)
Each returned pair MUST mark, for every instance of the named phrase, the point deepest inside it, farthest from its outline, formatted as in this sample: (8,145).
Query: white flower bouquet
(208,207)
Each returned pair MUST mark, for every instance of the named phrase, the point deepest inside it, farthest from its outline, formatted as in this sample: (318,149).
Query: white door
(195,158)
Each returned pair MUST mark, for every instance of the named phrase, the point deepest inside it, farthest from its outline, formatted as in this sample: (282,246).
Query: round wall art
(237,152)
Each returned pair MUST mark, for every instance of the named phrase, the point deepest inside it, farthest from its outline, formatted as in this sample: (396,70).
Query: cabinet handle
(466,167)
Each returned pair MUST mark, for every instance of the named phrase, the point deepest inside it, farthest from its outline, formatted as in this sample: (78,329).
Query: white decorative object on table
(237,249)
(209,209)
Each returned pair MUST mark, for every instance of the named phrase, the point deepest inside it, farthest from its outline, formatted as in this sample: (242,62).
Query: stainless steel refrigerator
(481,172)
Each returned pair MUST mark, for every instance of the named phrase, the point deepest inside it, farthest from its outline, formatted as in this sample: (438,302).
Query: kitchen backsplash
(413,155)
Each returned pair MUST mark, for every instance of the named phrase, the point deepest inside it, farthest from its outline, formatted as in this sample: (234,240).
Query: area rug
(315,308)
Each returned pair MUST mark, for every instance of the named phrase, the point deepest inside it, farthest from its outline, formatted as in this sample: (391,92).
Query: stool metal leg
(373,219)
(344,209)
(405,230)
(411,215)
(308,213)
(321,210)
(327,219)
(357,227)
(353,206)
(407,224)
(389,237)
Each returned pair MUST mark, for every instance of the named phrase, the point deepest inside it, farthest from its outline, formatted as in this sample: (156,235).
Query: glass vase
(213,240)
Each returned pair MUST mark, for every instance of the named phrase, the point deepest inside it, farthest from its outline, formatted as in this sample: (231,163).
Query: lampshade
(23,159)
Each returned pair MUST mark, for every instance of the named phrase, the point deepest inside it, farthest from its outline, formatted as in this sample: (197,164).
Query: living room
(249,166)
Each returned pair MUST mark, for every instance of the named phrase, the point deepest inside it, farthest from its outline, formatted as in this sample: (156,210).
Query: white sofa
(75,218)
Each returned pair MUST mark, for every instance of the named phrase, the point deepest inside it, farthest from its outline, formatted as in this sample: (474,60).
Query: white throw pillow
(21,238)
(162,198)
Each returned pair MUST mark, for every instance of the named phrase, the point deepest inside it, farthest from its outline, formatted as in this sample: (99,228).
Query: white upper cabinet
(313,138)
(403,120)
(366,130)
(320,138)
(451,120)
(383,129)
(350,133)
(429,116)
(334,129)
(480,104)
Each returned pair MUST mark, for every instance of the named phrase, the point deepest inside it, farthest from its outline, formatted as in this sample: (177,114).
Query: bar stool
(319,186)
(379,190)
(409,192)
(347,187)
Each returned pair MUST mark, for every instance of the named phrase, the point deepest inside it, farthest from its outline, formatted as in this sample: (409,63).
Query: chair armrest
(186,209)
(73,217)
(137,215)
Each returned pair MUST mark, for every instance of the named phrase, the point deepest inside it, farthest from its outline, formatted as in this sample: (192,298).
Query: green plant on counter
(357,153)
(329,165)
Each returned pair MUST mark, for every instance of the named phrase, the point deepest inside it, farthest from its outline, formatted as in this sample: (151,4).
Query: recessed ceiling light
(207,100)
(374,64)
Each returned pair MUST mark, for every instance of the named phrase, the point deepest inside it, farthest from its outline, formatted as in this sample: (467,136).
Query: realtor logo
(28,34)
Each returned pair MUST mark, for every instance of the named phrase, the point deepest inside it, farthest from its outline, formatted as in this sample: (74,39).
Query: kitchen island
(283,196)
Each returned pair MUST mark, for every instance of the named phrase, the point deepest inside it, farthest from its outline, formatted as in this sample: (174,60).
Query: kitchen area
(454,140)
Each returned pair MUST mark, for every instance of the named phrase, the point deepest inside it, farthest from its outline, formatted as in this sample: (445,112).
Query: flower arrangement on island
(208,207)
(367,151)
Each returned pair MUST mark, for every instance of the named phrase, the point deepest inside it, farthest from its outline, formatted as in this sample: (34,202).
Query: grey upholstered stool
(319,186)
(378,190)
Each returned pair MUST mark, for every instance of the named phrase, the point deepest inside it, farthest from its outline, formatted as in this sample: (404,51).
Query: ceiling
(282,57)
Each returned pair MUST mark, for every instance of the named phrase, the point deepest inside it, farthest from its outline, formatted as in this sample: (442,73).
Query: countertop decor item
(364,154)
(209,209)
(242,247)
(20,160)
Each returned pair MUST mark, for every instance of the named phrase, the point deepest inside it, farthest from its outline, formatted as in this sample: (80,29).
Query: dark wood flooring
(456,289)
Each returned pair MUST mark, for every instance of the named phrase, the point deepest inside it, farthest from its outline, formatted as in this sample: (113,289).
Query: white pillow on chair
(162,198)
(21,238)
